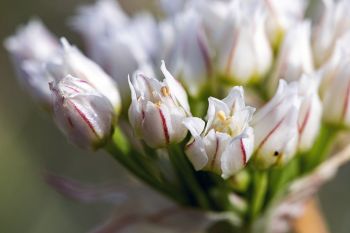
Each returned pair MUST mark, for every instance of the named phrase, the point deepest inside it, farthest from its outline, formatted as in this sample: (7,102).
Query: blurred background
(30,145)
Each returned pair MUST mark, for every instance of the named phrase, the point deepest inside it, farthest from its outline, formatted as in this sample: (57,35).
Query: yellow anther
(165,91)
(158,104)
(221,115)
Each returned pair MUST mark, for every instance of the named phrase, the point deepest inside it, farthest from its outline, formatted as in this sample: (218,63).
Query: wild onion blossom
(161,96)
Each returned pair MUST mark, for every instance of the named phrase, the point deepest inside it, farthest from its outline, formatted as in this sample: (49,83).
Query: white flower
(310,114)
(276,127)
(98,21)
(334,23)
(158,109)
(84,115)
(281,16)
(192,61)
(119,44)
(295,57)
(30,47)
(72,62)
(244,54)
(225,143)
(336,87)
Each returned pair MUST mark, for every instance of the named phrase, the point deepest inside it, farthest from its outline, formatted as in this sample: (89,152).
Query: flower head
(281,16)
(244,53)
(336,88)
(295,57)
(276,127)
(83,114)
(223,144)
(310,114)
(32,46)
(192,60)
(335,22)
(118,43)
(72,62)
(158,109)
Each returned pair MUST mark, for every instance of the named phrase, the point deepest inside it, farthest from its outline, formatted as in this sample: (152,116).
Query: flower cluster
(222,56)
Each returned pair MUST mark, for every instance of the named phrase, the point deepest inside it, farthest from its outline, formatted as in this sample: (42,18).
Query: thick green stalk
(259,189)
(120,150)
(187,176)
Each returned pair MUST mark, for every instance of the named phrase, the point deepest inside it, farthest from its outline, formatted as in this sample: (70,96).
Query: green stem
(280,177)
(320,150)
(187,176)
(259,189)
(120,150)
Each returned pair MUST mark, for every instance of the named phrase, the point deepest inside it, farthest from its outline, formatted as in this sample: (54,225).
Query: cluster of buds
(294,72)
(199,53)
(83,99)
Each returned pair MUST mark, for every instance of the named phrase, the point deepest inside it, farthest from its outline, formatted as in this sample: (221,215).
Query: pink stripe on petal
(232,53)
(205,54)
(216,152)
(346,101)
(306,119)
(270,133)
(165,127)
(84,117)
(244,153)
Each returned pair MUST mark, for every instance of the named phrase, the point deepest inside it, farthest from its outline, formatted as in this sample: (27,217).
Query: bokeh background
(30,145)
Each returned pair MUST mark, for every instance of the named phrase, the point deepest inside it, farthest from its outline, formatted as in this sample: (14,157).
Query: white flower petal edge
(83,114)
(158,109)
(225,143)
(244,52)
(73,62)
(31,46)
(310,115)
(276,127)
(295,57)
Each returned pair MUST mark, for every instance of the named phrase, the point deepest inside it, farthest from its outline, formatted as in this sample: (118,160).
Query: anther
(221,115)
(165,91)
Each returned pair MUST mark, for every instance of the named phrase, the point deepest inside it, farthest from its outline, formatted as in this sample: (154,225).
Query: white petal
(195,125)
(154,126)
(237,153)
(175,88)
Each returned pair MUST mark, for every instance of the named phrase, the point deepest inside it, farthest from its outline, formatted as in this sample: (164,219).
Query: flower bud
(158,109)
(245,54)
(33,45)
(334,23)
(276,127)
(83,114)
(336,88)
(310,114)
(295,57)
(223,144)
(281,16)
(72,62)
(192,60)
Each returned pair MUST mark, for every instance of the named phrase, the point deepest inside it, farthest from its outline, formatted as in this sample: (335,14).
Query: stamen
(165,91)
(221,115)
